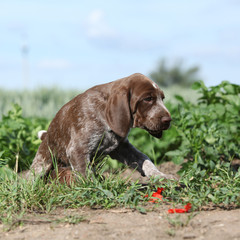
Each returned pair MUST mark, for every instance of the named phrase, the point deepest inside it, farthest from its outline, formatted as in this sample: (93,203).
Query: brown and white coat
(98,122)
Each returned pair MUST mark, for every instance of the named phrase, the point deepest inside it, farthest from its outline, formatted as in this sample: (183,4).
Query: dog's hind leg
(42,163)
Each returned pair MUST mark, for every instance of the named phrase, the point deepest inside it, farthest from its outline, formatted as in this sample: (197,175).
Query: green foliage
(218,189)
(154,148)
(18,139)
(205,133)
(204,139)
(167,76)
(209,130)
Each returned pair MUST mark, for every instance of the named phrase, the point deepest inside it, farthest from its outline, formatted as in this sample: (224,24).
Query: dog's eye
(148,99)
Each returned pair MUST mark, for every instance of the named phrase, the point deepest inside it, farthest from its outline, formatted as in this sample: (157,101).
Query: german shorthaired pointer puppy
(97,122)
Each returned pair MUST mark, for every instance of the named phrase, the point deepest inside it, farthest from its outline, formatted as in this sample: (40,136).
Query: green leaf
(211,196)
(107,193)
(141,209)
(196,85)
(174,153)
(229,88)
(233,99)
(179,98)
(219,109)
(212,164)
(210,139)
(1,153)
(178,160)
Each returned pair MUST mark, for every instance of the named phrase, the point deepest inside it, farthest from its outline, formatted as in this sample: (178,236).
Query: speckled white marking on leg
(149,170)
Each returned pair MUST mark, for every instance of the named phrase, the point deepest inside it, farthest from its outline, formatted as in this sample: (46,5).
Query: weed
(18,139)
(177,222)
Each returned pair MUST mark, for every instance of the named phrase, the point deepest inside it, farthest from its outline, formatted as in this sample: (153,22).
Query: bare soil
(121,223)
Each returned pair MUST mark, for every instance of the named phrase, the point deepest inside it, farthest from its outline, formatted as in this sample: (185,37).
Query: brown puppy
(97,122)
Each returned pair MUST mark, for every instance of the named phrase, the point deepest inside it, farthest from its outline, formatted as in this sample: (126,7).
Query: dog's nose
(166,120)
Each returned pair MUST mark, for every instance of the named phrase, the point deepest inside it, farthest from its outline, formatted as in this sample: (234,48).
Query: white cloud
(54,64)
(97,27)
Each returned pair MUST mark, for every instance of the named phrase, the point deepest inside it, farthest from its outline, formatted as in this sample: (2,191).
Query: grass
(18,196)
(177,222)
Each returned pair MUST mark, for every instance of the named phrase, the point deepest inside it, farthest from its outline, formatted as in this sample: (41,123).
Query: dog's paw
(170,177)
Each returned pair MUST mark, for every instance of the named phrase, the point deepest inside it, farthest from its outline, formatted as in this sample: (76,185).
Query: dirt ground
(94,224)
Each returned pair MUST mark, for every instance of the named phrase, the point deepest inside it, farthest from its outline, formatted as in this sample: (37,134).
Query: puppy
(97,122)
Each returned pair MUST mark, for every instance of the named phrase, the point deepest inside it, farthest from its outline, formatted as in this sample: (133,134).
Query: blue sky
(78,44)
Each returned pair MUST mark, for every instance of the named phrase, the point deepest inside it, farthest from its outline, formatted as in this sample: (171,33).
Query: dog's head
(137,101)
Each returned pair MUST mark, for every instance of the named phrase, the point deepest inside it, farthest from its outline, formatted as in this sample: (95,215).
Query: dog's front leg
(129,155)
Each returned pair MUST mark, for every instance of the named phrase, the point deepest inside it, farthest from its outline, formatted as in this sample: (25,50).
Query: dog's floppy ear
(118,114)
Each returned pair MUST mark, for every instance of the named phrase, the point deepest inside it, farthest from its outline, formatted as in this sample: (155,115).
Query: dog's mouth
(155,133)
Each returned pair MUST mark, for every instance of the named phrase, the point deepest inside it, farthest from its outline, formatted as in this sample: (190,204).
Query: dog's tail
(42,134)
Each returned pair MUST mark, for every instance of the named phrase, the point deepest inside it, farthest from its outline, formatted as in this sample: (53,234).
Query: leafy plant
(18,139)
(209,131)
